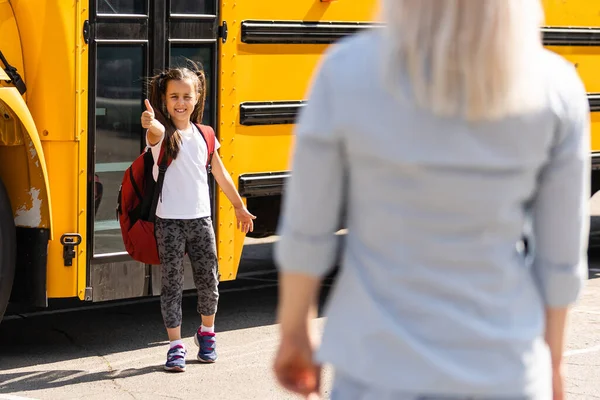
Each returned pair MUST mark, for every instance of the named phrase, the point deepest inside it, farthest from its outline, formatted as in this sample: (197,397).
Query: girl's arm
(244,218)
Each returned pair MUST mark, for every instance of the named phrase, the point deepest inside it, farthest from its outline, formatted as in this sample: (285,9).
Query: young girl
(183,214)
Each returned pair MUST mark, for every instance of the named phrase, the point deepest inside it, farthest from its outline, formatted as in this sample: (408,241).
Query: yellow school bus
(573,31)
(73,80)
(72,84)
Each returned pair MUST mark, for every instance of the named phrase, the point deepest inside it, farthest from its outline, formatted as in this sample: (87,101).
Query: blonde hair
(477,59)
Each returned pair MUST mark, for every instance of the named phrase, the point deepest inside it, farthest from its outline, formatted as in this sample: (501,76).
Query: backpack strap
(163,163)
(208,134)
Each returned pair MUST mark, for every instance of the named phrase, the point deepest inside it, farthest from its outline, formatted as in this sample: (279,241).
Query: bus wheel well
(8,251)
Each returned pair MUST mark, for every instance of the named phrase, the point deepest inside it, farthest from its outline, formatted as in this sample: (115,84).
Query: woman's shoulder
(350,51)
(565,87)
(345,64)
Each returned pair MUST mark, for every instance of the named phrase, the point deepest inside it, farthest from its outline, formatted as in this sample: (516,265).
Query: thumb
(149,106)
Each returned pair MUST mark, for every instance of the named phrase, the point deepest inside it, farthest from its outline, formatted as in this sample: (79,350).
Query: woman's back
(436,208)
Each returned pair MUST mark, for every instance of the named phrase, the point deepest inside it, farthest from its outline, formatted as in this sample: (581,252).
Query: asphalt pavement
(116,350)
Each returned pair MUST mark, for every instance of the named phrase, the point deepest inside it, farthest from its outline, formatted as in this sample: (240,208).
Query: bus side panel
(265,73)
(63,173)
(50,33)
(10,44)
(572,12)
(587,62)
(84,178)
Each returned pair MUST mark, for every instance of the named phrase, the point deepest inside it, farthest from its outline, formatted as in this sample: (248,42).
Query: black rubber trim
(299,32)
(594,99)
(29,287)
(270,113)
(285,112)
(554,36)
(318,32)
(263,184)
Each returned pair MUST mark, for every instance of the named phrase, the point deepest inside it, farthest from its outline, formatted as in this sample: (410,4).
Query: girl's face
(180,99)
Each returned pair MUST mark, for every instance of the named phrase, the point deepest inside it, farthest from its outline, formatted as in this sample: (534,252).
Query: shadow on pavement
(46,339)
(40,380)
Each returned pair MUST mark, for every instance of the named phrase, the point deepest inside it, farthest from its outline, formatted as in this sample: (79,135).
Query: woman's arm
(561,220)
(312,204)
(244,218)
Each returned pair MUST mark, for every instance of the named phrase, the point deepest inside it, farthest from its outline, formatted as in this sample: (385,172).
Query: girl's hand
(294,366)
(244,219)
(149,122)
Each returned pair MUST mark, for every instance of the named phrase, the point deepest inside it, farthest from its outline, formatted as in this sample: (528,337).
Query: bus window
(192,7)
(121,6)
(119,84)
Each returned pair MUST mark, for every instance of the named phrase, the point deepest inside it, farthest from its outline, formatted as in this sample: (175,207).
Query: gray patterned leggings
(174,237)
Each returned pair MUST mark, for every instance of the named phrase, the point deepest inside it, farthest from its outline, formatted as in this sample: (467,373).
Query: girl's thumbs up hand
(149,106)
(149,122)
(147,115)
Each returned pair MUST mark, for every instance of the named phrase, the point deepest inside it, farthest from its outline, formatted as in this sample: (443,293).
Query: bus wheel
(8,249)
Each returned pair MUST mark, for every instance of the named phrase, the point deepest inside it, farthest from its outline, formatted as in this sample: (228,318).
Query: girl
(183,215)
(440,134)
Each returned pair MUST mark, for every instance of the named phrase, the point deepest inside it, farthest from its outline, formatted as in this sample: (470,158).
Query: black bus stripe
(319,32)
(270,113)
(285,112)
(554,36)
(299,32)
(594,99)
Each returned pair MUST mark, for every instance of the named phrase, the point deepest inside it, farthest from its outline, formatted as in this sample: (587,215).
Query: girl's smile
(181,99)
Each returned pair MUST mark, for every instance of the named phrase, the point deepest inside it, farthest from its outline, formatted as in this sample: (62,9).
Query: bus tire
(8,249)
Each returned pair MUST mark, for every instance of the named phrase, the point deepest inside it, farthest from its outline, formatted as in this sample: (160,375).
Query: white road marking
(11,397)
(582,351)
(587,311)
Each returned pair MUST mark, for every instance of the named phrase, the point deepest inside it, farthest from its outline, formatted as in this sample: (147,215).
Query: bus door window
(122,7)
(119,85)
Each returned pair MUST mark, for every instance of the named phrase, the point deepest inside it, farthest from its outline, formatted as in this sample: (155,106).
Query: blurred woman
(441,136)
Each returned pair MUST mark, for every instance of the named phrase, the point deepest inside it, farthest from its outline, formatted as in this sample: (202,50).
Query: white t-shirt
(185,188)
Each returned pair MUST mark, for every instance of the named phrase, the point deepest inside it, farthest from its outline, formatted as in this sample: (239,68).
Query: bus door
(131,40)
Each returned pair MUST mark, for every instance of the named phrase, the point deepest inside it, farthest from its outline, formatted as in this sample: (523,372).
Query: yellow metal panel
(10,42)
(572,12)
(579,13)
(48,39)
(24,169)
(596,131)
(587,62)
(81,111)
(55,65)
(264,73)
(302,10)
(62,281)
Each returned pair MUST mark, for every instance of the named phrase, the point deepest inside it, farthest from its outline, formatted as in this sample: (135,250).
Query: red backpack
(139,195)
